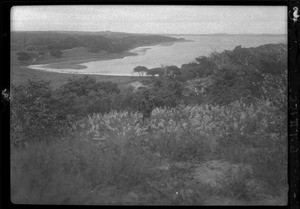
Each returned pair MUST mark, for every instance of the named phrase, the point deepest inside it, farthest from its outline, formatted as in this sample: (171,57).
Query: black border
(293,107)
(293,85)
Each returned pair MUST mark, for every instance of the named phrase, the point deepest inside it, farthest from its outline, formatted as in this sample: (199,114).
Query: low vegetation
(33,46)
(218,132)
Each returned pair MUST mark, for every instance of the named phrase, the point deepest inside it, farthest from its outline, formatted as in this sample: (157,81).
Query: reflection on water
(177,54)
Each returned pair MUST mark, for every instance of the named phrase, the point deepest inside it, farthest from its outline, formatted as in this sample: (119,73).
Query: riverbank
(73,58)
(20,76)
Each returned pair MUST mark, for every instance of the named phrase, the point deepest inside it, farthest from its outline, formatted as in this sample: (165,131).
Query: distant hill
(222,34)
(113,42)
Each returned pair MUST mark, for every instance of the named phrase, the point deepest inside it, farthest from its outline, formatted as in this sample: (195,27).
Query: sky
(152,19)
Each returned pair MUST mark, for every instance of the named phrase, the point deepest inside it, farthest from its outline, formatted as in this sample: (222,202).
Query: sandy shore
(74,62)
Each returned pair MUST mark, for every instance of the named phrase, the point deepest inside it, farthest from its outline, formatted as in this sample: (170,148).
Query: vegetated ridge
(35,46)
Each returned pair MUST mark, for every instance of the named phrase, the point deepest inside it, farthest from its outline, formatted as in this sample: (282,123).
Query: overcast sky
(152,19)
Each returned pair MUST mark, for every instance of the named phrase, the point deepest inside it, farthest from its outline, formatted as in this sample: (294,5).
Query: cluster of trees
(38,111)
(162,71)
(234,74)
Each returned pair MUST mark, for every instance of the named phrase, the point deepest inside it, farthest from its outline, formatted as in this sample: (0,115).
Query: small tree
(31,49)
(173,71)
(140,70)
(155,71)
(24,56)
(56,53)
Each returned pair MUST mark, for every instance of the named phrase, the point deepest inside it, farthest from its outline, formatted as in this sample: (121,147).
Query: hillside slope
(217,135)
(106,41)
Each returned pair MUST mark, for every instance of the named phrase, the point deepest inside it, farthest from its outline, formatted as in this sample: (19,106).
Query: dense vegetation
(84,142)
(35,45)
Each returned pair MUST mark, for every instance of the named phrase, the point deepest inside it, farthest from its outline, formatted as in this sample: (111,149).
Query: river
(176,54)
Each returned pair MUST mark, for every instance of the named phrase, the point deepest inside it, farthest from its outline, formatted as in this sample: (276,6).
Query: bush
(156,71)
(32,117)
(83,96)
(24,56)
(87,86)
(56,53)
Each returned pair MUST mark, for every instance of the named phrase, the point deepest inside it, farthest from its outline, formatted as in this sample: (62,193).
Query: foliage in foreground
(116,150)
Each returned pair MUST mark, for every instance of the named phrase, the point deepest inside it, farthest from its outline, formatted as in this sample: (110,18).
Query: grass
(115,159)
(70,170)
(67,65)
(80,55)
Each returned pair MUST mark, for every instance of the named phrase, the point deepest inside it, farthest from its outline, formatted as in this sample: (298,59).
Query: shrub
(83,96)
(156,71)
(56,53)
(24,56)
(32,117)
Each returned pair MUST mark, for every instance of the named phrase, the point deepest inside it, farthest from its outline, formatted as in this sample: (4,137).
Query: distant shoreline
(224,34)
(162,34)
(75,63)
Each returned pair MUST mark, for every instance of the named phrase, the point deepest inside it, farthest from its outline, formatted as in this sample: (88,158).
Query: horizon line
(108,31)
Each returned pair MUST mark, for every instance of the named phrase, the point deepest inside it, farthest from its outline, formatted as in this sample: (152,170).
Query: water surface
(176,54)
